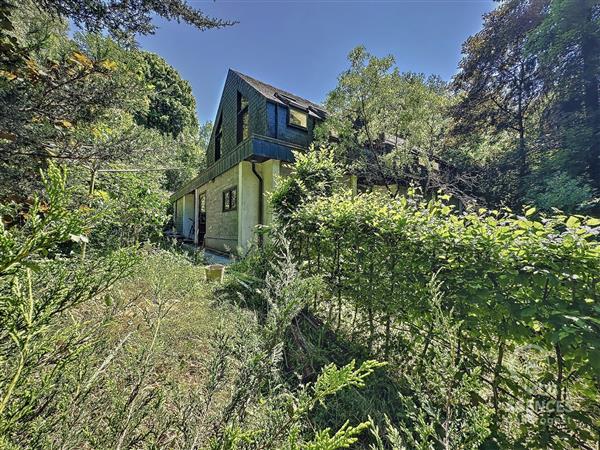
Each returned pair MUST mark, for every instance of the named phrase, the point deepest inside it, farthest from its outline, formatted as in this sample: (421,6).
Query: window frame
(241,113)
(219,138)
(289,118)
(226,201)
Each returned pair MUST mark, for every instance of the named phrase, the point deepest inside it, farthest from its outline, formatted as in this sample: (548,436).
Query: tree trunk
(496,380)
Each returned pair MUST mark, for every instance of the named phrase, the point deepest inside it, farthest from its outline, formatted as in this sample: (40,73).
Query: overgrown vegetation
(132,349)
(518,124)
(513,287)
(482,312)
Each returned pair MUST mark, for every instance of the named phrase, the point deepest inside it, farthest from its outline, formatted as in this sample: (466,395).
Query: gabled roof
(282,97)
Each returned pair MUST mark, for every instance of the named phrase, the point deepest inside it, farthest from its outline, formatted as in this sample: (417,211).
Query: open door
(201,218)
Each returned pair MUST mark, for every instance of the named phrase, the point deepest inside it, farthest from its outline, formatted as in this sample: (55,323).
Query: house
(256,130)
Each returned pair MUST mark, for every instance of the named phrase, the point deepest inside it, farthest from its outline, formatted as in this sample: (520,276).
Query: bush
(512,281)
(131,208)
(315,173)
(40,285)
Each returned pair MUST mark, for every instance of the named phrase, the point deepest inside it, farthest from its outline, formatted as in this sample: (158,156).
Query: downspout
(260,200)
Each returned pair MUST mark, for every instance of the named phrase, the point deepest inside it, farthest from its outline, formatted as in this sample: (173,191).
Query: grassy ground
(161,354)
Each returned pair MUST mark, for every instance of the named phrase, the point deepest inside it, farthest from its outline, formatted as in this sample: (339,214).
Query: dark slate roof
(282,97)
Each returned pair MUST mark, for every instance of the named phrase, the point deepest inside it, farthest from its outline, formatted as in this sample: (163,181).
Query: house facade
(256,131)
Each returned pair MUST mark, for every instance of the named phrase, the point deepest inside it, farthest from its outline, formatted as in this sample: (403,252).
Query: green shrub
(40,285)
(315,173)
(512,281)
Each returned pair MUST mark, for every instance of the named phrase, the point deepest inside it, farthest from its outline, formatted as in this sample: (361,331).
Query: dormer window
(297,118)
(243,126)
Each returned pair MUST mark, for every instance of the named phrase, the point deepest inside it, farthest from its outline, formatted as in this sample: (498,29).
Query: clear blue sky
(301,46)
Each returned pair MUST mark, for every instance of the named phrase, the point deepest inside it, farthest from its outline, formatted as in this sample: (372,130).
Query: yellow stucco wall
(391,189)
(248,217)
(233,231)
(188,215)
(248,202)
(271,172)
(221,227)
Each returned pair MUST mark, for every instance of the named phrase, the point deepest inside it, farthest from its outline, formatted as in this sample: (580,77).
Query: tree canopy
(172,107)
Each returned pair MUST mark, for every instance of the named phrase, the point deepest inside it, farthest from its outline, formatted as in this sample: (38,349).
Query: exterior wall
(248,217)
(221,227)
(228,109)
(285,169)
(232,231)
(247,203)
(265,118)
(352,181)
(179,215)
(392,189)
(278,128)
(188,215)
(226,231)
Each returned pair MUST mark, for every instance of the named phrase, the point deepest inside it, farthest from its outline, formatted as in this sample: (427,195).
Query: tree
(498,80)
(75,101)
(389,126)
(567,44)
(122,18)
(63,102)
(189,157)
(172,105)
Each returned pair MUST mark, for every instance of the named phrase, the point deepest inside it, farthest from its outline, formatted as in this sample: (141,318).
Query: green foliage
(343,438)
(125,20)
(172,105)
(76,100)
(278,418)
(531,76)
(189,157)
(562,191)
(509,280)
(388,127)
(97,353)
(131,208)
(63,101)
(314,173)
(46,223)
(438,409)
(39,286)
(567,44)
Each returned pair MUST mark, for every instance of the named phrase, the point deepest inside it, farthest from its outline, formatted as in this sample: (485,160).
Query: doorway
(201,218)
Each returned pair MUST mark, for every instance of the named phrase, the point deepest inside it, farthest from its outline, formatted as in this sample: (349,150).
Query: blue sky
(301,46)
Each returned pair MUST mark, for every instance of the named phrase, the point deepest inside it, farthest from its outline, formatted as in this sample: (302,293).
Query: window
(219,138)
(242,118)
(230,199)
(297,118)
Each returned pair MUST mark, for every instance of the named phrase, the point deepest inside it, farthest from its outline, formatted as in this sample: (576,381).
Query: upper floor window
(243,126)
(219,138)
(298,118)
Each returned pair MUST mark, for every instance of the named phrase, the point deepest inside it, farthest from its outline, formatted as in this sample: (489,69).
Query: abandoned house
(256,130)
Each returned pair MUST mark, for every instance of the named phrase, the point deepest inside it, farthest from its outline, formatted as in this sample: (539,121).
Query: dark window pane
(242,102)
(233,198)
(242,119)
(230,199)
(219,138)
(245,125)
